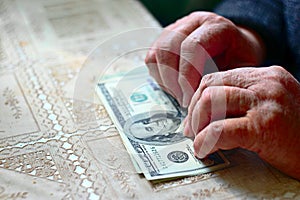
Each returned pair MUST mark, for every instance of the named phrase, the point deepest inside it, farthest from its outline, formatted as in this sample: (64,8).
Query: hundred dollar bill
(149,120)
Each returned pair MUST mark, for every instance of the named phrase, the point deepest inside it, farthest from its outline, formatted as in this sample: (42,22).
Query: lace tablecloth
(51,149)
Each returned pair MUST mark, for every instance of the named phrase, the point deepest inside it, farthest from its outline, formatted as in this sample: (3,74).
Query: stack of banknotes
(150,124)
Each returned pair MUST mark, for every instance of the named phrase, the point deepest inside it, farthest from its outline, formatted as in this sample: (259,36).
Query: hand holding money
(149,120)
(262,115)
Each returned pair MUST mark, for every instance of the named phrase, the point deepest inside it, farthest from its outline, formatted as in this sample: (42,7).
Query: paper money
(148,120)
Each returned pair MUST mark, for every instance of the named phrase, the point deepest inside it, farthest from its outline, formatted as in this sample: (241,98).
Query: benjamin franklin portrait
(154,129)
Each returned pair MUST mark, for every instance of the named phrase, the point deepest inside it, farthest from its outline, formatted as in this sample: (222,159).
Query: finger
(191,64)
(224,134)
(168,53)
(219,102)
(195,98)
(189,23)
(168,50)
(169,74)
(165,53)
(187,128)
(242,78)
(152,66)
(198,49)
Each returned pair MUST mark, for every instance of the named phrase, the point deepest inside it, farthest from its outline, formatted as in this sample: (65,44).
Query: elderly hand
(253,108)
(177,59)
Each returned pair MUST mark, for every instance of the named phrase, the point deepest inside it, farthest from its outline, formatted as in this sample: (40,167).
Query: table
(58,144)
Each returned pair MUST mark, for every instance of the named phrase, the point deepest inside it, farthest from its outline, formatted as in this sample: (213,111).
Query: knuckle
(279,75)
(225,26)
(206,97)
(164,45)
(190,44)
(195,14)
(207,80)
(166,51)
(201,14)
(278,71)
(277,68)
(219,19)
(215,131)
(170,40)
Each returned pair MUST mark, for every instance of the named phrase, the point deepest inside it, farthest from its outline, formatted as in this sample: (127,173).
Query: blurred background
(168,11)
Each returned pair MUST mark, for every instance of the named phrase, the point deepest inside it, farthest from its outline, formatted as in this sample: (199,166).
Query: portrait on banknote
(159,128)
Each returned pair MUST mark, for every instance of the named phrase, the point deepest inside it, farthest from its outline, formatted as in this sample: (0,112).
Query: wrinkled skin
(176,59)
(253,108)
(262,114)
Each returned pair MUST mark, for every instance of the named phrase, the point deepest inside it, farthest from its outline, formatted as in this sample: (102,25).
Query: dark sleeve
(263,16)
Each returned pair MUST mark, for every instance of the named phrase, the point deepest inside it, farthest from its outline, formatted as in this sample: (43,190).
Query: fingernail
(200,155)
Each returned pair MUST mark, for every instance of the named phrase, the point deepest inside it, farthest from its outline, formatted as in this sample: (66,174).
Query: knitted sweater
(276,21)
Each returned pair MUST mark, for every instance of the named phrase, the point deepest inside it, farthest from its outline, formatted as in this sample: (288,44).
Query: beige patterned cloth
(54,145)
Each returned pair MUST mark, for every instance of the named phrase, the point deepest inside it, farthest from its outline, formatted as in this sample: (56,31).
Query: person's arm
(265,17)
